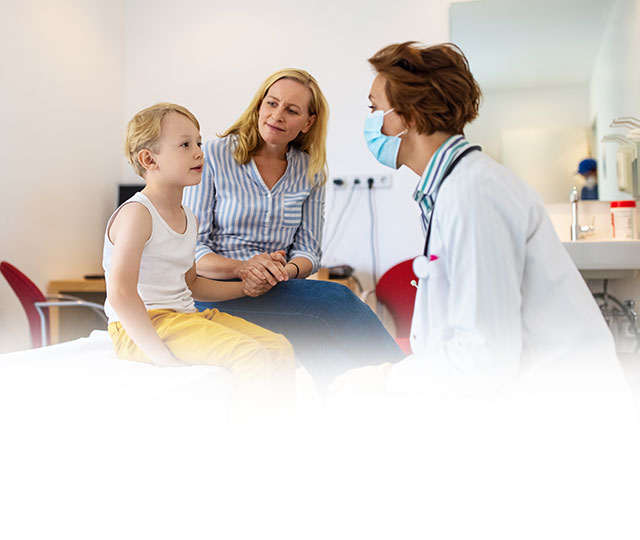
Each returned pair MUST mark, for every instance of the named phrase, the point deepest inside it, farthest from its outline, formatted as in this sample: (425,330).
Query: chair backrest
(398,295)
(28,293)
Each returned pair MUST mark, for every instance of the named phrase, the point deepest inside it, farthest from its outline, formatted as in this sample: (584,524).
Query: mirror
(542,67)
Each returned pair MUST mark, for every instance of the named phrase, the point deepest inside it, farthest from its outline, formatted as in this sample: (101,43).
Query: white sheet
(84,377)
(94,447)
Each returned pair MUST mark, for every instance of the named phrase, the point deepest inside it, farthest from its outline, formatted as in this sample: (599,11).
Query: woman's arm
(129,231)
(299,268)
(308,238)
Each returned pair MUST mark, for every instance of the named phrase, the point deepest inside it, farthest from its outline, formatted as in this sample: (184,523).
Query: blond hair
(145,128)
(313,142)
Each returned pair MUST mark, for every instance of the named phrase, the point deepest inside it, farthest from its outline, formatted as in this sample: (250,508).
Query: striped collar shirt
(427,189)
(239,216)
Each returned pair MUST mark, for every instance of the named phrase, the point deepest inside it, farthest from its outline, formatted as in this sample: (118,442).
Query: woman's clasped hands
(262,272)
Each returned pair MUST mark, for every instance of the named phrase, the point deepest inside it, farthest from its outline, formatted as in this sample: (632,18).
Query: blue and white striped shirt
(427,188)
(240,217)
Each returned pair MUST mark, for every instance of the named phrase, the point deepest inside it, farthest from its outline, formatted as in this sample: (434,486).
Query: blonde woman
(260,207)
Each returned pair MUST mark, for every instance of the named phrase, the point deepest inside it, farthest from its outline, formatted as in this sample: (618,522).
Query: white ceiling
(528,43)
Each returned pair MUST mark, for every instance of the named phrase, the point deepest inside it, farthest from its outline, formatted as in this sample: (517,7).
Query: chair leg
(43,327)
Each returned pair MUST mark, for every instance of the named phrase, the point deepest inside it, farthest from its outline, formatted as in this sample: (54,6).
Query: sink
(615,259)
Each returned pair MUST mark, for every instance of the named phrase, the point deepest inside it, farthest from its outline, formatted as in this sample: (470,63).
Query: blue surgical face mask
(383,147)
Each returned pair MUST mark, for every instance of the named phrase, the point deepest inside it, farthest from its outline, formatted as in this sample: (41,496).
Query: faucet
(577,230)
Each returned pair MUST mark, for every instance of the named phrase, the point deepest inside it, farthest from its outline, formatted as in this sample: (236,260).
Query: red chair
(397,294)
(36,305)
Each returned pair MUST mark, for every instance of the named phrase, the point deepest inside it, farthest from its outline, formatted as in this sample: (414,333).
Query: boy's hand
(251,287)
(267,267)
(262,272)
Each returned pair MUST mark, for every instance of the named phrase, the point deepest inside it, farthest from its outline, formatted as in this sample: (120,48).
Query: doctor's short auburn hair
(430,86)
(145,129)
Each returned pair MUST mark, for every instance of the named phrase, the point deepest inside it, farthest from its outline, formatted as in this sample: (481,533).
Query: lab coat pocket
(292,214)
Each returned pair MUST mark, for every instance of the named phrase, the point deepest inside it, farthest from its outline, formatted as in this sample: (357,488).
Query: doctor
(498,295)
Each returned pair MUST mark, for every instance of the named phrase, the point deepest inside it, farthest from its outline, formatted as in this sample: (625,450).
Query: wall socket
(380,181)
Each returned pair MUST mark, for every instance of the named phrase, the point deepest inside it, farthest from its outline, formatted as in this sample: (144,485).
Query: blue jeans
(330,328)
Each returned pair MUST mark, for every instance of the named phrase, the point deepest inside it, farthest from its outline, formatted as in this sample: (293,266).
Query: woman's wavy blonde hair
(313,142)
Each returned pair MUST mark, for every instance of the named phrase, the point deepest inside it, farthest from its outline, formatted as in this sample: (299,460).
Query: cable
(336,182)
(372,214)
(357,282)
(342,214)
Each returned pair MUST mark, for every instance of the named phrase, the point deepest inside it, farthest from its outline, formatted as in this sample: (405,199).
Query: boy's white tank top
(166,258)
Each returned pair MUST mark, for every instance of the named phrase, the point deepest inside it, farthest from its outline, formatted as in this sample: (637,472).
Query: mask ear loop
(385,113)
(405,130)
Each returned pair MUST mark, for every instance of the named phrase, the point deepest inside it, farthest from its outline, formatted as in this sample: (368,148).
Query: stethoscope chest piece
(421,267)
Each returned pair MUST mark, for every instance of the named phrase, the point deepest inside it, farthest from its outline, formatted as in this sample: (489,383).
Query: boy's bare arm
(129,231)
(209,290)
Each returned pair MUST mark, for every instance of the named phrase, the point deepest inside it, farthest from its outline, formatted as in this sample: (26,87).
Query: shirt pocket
(292,212)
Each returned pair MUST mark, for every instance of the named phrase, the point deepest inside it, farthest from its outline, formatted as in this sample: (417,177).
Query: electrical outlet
(340,182)
(380,181)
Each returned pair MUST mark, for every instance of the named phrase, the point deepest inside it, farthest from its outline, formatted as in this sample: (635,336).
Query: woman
(498,294)
(260,206)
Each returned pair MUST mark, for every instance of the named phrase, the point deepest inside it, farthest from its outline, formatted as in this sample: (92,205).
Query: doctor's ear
(146,159)
(408,121)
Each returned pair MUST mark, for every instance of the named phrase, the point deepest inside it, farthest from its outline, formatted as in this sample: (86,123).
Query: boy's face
(178,155)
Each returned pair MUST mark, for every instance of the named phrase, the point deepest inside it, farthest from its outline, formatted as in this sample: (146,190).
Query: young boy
(149,265)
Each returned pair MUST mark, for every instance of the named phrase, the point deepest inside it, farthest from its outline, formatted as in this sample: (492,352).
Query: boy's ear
(145,158)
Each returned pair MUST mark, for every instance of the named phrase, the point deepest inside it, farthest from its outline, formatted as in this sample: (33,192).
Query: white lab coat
(503,300)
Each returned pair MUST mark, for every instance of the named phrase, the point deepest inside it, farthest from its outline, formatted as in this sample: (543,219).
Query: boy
(150,271)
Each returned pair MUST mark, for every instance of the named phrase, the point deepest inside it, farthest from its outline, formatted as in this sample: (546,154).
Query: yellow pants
(259,359)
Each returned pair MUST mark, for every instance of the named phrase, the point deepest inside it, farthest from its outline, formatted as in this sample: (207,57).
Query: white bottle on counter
(623,220)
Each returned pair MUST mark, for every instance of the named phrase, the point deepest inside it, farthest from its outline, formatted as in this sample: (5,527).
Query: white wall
(615,84)
(538,110)
(61,108)
(212,57)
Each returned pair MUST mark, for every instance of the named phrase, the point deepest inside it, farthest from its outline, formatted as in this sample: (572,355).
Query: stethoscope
(422,263)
